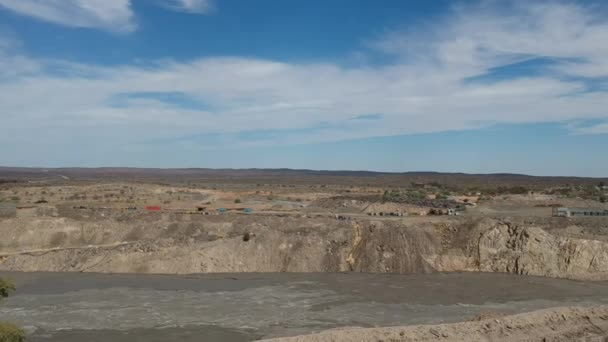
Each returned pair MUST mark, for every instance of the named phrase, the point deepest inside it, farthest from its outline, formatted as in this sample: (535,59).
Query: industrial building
(579,212)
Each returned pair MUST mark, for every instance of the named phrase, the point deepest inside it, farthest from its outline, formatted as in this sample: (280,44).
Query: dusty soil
(327,225)
(557,324)
(104,227)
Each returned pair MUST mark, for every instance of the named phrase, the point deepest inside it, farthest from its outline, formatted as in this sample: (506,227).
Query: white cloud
(190,6)
(113,15)
(484,37)
(600,128)
(110,15)
(12,63)
(304,102)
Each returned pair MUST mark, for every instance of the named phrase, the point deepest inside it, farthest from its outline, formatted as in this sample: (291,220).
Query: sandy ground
(556,324)
(305,228)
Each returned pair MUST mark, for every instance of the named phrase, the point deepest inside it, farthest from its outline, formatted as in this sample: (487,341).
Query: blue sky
(472,86)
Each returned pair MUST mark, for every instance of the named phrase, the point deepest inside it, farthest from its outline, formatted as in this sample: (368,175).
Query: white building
(579,212)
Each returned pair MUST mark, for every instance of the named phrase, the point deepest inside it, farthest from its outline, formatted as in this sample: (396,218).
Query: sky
(482,86)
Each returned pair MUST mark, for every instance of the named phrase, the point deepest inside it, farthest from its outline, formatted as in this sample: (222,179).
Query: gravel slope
(557,324)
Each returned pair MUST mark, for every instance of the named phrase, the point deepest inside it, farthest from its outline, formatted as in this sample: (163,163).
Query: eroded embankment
(558,324)
(178,244)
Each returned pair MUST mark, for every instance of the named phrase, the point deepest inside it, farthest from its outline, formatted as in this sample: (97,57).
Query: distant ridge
(282,175)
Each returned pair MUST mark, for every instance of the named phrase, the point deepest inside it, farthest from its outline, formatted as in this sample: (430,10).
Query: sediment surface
(244,307)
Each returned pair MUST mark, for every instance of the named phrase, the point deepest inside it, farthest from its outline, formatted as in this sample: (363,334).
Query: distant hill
(346,177)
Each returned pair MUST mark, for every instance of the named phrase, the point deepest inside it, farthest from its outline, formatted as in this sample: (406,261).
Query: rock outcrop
(533,251)
(184,244)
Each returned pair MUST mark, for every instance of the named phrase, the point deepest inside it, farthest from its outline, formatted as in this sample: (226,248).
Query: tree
(518,190)
(602,199)
(237,201)
(385,196)
(9,332)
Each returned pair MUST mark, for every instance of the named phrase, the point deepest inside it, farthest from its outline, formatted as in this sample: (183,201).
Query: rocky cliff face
(531,250)
(182,244)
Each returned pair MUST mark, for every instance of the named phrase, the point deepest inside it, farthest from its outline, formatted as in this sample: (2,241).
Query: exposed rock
(533,251)
(215,244)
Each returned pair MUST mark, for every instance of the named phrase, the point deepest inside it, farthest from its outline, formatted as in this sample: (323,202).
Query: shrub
(6,288)
(514,190)
(238,200)
(433,212)
(518,190)
(386,196)
(11,333)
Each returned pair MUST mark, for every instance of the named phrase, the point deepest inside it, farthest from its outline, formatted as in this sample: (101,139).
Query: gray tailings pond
(245,307)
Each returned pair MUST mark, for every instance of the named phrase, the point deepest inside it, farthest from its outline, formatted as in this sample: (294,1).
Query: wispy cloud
(12,63)
(110,15)
(585,129)
(113,15)
(189,6)
(481,37)
(313,102)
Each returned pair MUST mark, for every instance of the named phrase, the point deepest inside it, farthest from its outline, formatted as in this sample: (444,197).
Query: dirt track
(43,251)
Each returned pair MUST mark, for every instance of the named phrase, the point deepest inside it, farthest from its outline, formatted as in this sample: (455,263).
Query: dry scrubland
(95,221)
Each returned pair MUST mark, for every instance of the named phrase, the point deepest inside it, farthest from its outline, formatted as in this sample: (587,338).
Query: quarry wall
(180,244)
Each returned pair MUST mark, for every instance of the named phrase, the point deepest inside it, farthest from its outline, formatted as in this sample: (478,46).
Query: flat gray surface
(244,307)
